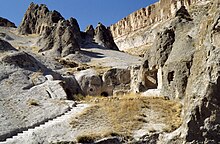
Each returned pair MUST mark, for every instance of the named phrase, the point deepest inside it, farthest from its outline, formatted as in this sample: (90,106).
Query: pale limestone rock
(89,82)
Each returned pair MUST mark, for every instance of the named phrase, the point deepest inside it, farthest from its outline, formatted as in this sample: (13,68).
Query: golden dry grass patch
(125,114)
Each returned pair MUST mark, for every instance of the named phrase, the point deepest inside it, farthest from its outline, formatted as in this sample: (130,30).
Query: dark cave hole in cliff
(105,94)
(170,76)
(91,89)
(151,79)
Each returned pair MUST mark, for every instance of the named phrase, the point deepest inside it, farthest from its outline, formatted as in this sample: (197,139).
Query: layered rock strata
(137,29)
(158,12)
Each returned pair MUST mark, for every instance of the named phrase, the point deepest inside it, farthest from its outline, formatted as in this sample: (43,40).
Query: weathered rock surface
(162,47)
(113,81)
(118,80)
(89,82)
(104,37)
(61,40)
(139,29)
(5,46)
(37,18)
(60,36)
(181,63)
(155,13)
(30,92)
(110,140)
(6,23)
(186,52)
(90,31)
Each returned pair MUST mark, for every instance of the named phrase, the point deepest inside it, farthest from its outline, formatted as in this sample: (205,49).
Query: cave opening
(105,94)
(150,79)
(170,76)
(153,78)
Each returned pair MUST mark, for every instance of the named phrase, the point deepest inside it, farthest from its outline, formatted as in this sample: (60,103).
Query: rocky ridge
(6,23)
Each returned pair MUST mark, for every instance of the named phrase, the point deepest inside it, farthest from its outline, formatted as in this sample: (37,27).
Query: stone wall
(158,12)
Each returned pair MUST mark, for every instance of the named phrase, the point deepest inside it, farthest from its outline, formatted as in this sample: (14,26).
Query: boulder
(71,87)
(53,89)
(104,37)
(89,82)
(6,23)
(5,36)
(117,80)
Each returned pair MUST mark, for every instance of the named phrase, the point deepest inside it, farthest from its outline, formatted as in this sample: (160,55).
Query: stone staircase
(59,119)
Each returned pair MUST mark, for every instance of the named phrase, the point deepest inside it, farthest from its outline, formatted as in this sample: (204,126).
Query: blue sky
(85,11)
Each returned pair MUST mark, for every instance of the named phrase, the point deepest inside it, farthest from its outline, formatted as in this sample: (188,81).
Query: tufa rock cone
(104,37)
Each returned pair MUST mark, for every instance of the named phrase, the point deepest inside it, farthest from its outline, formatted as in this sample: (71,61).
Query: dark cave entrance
(151,79)
(105,94)
(170,76)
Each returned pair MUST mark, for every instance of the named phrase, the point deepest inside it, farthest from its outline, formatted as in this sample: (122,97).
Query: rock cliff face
(185,53)
(126,31)
(158,12)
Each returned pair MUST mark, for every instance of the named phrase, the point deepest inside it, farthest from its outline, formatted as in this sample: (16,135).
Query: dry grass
(35,49)
(123,115)
(32,102)
(67,63)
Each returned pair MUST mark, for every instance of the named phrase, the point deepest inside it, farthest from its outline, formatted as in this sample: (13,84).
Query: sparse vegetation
(125,114)
(35,76)
(67,63)
(35,49)
(33,102)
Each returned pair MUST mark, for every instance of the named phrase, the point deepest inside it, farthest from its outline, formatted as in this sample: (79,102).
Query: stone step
(58,119)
